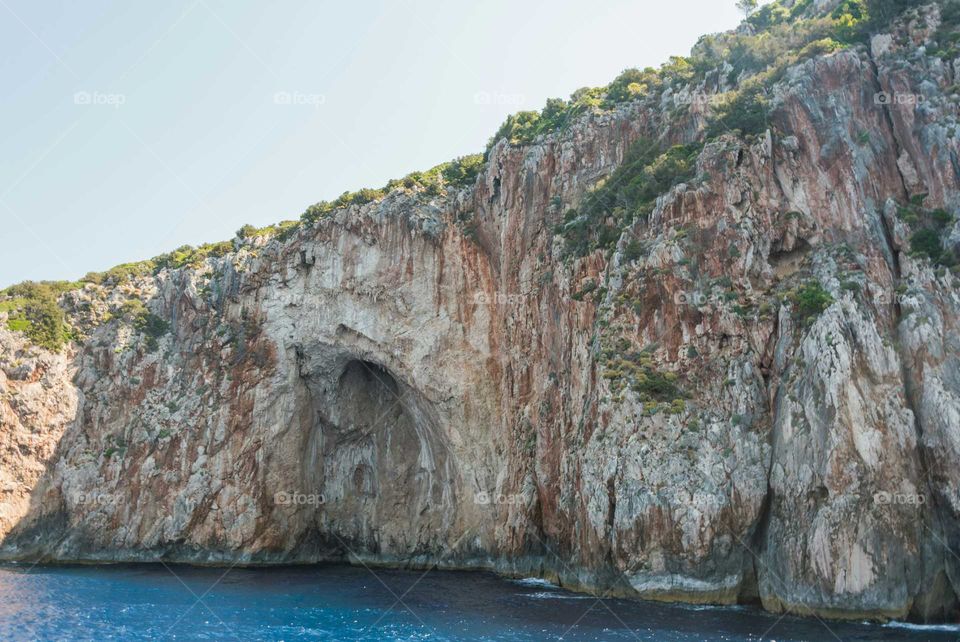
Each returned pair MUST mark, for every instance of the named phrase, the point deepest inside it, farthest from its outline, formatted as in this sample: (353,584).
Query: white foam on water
(709,607)
(547,595)
(949,628)
(534,581)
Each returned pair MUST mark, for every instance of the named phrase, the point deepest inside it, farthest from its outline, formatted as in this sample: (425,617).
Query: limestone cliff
(752,393)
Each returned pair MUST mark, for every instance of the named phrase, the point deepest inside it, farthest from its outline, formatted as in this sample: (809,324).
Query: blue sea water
(333,602)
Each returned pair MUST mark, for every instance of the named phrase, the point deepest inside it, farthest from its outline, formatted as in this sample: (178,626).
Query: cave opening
(787,262)
(376,456)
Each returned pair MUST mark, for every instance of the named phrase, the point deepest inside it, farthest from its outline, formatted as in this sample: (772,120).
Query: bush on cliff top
(32,309)
(460,172)
(745,111)
(183,256)
(857,18)
(781,36)
(523,127)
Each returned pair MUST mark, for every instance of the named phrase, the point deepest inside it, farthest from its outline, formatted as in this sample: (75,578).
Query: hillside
(692,336)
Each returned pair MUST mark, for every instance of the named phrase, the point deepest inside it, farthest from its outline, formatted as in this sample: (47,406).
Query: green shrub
(323,208)
(630,192)
(33,310)
(881,12)
(851,19)
(121,273)
(153,327)
(676,70)
(132,309)
(745,110)
(360,197)
(588,287)
(463,171)
(19,324)
(523,127)
(656,386)
(926,242)
(316,211)
(769,15)
(850,286)
(799,8)
(460,172)
(147,323)
(633,250)
(188,255)
(247,231)
(43,321)
(630,85)
(819,48)
(947,36)
(810,300)
(518,128)
(941,218)
(928,228)
(183,256)
(429,182)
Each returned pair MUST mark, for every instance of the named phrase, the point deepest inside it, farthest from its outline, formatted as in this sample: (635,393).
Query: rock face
(387,385)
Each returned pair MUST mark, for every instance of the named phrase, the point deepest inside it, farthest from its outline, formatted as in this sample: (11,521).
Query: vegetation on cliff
(460,172)
(32,308)
(629,193)
(928,231)
(150,325)
(774,38)
(735,69)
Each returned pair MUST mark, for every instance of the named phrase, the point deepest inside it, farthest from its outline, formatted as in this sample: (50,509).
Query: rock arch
(375,454)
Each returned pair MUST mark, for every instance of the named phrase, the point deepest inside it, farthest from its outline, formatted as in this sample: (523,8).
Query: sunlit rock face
(392,386)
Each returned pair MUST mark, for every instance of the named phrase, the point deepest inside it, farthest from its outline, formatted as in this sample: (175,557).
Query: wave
(950,628)
(710,607)
(535,581)
(549,595)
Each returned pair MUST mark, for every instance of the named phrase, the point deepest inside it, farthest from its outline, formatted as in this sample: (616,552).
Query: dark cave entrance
(375,455)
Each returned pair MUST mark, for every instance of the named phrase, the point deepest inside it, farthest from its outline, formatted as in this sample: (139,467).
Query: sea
(339,602)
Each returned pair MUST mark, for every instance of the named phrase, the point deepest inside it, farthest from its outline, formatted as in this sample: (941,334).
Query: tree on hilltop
(747,7)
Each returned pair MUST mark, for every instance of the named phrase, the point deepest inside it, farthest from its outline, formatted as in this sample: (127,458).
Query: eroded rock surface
(387,385)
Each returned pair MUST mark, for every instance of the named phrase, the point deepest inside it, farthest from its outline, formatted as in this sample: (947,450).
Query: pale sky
(130,128)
